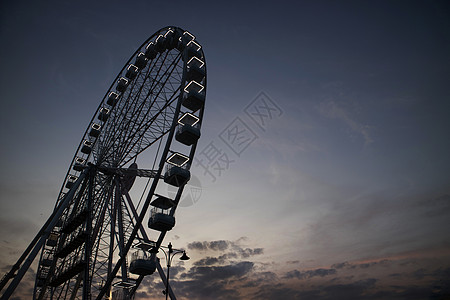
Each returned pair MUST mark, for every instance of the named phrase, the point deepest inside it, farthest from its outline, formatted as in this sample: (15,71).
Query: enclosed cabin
(142,262)
(195,70)
(122,84)
(160,218)
(168,41)
(141,61)
(188,132)
(160,44)
(75,221)
(68,273)
(104,113)
(71,181)
(184,40)
(113,98)
(80,164)
(71,245)
(132,72)
(122,290)
(192,49)
(86,147)
(150,51)
(52,240)
(121,293)
(194,96)
(171,39)
(95,130)
(177,171)
(42,276)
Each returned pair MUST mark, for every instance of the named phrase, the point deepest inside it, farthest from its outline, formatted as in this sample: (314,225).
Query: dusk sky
(340,188)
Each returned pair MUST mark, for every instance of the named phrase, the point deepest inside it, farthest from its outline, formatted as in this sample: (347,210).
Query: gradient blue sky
(343,193)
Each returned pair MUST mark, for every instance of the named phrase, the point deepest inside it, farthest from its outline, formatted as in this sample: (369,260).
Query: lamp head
(184,256)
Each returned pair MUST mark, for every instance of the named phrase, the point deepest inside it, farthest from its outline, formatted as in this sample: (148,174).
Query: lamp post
(169,256)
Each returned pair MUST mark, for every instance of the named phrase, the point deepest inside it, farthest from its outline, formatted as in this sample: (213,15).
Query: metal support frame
(24,262)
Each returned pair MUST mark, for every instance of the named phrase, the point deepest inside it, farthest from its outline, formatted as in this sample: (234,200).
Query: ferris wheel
(142,137)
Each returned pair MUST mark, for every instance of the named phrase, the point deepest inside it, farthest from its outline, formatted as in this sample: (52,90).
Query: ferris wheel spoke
(146,126)
(152,88)
(149,140)
(125,112)
(138,116)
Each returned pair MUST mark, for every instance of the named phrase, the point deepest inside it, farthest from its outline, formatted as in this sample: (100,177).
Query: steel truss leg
(87,245)
(30,253)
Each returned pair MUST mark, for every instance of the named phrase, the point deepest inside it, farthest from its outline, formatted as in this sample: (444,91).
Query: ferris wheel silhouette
(140,141)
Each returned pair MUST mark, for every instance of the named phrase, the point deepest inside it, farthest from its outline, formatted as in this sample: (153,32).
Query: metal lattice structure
(150,116)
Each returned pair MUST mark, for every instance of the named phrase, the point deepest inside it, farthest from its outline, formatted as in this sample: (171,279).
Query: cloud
(197,246)
(219,245)
(219,278)
(274,292)
(247,252)
(341,265)
(259,278)
(356,290)
(195,289)
(309,273)
(292,262)
(228,274)
(213,282)
(361,265)
(219,272)
(370,264)
(235,251)
(208,261)
(222,259)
